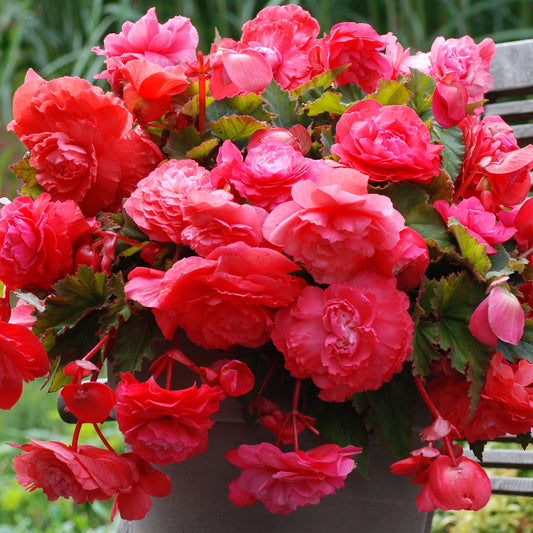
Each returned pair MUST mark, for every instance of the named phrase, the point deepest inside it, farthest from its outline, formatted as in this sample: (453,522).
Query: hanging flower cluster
(326,219)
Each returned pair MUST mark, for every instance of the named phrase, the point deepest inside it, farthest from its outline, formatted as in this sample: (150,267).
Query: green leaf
(454,148)
(391,413)
(478,448)
(391,92)
(524,348)
(134,341)
(327,103)
(279,102)
(425,347)
(203,149)
(118,311)
(502,264)
(456,298)
(439,188)
(421,87)
(236,127)
(192,107)
(411,201)
(75,297)
(470,248)
(25,172)
(178,144)
(251,104)
(341,424)
(322,81)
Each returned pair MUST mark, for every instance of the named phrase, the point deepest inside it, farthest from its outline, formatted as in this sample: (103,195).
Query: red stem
(294,412)
(97,347)
(201,96)
(102,438)
(76,435)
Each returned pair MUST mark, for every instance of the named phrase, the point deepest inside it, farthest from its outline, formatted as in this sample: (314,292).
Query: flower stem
(102,438)
(97,347)
(294,412)
(76,435)
(201,96)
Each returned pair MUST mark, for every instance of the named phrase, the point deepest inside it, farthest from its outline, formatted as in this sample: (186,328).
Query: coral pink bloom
(156,205)
(38,240)
(389,143)
(148,95)
(136,500)
(286,481)
(266,176)
(359,47)
(81,142)
(165,426)
(284,35)
(212,219)
(449,101)
(468,62)
(447,484)
(505,405)
(166,45)
(237,70)
(481,224)
(22,358)
(227,298)
(331,231)
(349,337)
(499,316)
(90,401)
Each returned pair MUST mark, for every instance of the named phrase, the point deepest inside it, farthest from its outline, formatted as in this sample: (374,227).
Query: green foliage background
(55,37)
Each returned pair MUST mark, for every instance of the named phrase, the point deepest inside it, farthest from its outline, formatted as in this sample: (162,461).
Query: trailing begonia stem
(76,435)
(435,413)
(102,438)
(201,96)
(294,412)
(97,347)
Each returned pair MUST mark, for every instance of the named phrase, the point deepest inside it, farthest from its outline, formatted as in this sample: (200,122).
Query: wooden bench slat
(511,111)
(522,486)
(512,68)
(500,458)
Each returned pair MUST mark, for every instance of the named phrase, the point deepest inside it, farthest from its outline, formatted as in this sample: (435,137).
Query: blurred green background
(55,38)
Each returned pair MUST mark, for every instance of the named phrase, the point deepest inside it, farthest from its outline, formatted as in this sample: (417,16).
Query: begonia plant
(328,218)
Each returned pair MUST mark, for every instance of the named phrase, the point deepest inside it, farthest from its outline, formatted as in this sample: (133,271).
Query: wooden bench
(511,97)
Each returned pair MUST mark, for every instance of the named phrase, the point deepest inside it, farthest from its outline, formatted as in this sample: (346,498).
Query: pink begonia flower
(89,401)
(284,35)
(296,137)
(90,473)
(38,240)
(22,358)
(407,261)
(234,376)
(148,93)
(467,61)
(449,101)
(505,404)
(81,142)
(285,481)
(389,143)
(490,143)
(331,231)
(237,70)
(165,426)
(156,205)
(212,219)
(447,484)
(23,314)
(399,58)
(481,224)
(349,337)
(358,46)
(225,299)
(265,177)
(168,44)
(499,316)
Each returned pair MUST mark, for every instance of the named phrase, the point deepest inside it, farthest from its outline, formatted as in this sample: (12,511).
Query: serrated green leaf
(524,439)
(411,201)
(178,144)
(425,347)
(454,151)
(421,87)
(251,104)
(391,413)
(470,248)
(203,149)
(75,296)
(280,104)
(322,81)
(236,127)
(439,188)
(524,348)
(118,310)
(134,341)
(25,172)
(391,92)
(192,107)
(502,264)
(478,448)
(329,102)
(342,425)
(456,298)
